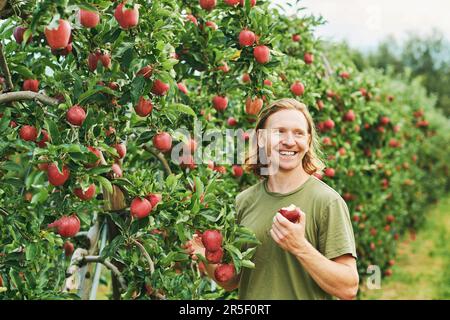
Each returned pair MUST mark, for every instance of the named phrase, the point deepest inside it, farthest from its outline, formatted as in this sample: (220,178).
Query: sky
(364,23)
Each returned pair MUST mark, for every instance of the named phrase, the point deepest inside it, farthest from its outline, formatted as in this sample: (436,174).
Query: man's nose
(288,139)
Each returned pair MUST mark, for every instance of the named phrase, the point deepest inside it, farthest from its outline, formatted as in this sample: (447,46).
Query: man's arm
(338,277)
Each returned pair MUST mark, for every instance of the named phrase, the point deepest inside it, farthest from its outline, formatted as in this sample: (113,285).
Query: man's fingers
(274,236)
(278,230)
(281,220)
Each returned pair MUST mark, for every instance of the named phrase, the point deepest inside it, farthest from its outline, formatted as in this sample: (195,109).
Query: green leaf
(105,183)
(24,72)
(248,264)
(40,197)
(52,129)
(182,108)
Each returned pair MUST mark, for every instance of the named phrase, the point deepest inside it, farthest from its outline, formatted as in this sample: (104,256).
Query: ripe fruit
(117,170)
(246,38)
(224,272)
(182,87)
(328,124)
(42,143)
(393,143)
(94,57)
(329,172)
(162,141)
(193,19)
(211,25)
(140,208)
(56,177)
(88,19)
(231,2)
(208,4)
(297,88)
(28,133)
(220,103)
(214,256)
(308,57)
(58,38)
(268,83)
(154,198)
(121,150)
(261,54)
(76,115)
(68,248)
(390,218)
(296,37)
(160,88)
(326,141)
(344,75)
(18,34)
(144,107)
(127,18)
(187,161)
(320,104)
(349,116)
(31,85)
(212,240)
(252,107)
(231,121)
(384,121)
(252,2)
(220,169)
(67,226)
(238,171)
(87,194)
(191,145)
(292,213)
(146,71)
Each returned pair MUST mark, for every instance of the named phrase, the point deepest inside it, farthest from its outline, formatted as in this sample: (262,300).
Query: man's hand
(289,236)
(195,246)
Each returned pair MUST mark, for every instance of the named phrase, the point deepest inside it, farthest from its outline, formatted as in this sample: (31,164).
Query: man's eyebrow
(296,129)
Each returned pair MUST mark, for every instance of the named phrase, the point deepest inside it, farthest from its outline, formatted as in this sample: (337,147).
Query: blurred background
(405,35)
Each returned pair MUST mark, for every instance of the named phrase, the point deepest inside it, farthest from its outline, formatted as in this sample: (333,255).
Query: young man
(313,258)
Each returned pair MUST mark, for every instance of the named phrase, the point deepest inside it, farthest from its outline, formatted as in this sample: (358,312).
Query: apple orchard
(91,96)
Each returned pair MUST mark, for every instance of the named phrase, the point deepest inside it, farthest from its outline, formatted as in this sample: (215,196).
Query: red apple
(56,177)
(127,18)
(31,85)
(58,38)
(208,5)
(261,54)
(28,133)
(220,103)
(246,38)
(18,34)
(88,19)
(140,208)
(86,194)
(292,213)
(162,141)
(160,88)
(144,107)
(238,171)
(76,115)
(297,88)
(308,57)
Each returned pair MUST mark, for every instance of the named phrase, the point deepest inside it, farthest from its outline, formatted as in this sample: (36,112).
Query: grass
(422,270)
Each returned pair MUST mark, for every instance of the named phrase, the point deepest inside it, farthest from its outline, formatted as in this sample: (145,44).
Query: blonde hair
(312,161)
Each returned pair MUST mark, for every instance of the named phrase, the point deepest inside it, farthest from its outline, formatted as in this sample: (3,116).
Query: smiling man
(313,257)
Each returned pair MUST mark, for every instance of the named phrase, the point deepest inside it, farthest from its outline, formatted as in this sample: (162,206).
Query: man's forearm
(337,279)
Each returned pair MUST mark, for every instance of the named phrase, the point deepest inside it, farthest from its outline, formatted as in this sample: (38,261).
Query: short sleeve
(336,236)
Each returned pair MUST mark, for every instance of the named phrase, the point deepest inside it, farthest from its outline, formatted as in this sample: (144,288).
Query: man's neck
(285,182)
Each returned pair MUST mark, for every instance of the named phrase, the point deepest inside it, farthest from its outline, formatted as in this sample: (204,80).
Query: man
(313,258)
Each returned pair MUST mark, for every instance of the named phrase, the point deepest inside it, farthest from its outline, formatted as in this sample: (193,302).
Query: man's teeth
(288,153)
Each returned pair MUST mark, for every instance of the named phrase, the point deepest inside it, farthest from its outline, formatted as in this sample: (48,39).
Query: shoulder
(323,193)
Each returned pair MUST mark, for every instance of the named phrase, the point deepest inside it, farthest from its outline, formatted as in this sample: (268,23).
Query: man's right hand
(195,246)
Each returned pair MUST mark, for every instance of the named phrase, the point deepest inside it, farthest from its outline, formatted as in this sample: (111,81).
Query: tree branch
(109,265)
(146,255)
(27,95)
(328,69)
(160,157)
(5,70)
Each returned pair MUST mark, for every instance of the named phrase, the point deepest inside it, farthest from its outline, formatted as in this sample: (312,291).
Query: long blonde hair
(312,161)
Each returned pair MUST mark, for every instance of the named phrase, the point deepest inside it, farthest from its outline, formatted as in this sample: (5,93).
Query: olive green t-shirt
(278,275)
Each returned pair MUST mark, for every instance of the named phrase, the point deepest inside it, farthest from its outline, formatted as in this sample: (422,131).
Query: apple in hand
(292,213)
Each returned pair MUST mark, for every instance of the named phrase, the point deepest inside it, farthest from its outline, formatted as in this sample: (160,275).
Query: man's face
(286,139)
